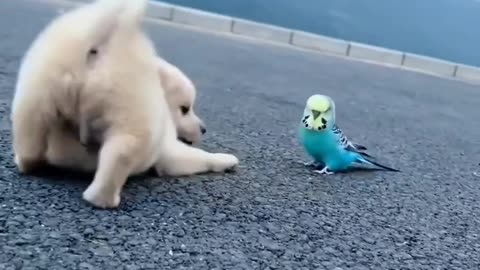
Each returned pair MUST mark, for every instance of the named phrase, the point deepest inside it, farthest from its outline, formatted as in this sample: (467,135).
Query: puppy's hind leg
(118,158)
(180,159)
(29,136)
(66,151)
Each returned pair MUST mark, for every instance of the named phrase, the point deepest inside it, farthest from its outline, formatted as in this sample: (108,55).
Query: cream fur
(118,94)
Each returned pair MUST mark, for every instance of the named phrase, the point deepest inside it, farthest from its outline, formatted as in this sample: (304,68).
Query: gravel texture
(272,213)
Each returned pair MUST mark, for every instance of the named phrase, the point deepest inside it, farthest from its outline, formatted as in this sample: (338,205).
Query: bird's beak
(316,114)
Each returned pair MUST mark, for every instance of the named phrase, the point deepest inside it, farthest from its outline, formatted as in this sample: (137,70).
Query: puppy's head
(180,93)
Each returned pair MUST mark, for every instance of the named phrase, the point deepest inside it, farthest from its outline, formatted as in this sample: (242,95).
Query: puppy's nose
(203,129)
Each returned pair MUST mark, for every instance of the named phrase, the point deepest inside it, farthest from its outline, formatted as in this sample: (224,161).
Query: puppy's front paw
(223,162)
(20,165)
(26,166)
(101,198)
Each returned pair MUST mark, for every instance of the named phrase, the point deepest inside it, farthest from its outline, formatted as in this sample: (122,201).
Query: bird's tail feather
(360,147)
(371,162)
(365,155)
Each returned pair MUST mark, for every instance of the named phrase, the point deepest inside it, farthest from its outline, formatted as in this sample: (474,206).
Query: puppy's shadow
(56,175)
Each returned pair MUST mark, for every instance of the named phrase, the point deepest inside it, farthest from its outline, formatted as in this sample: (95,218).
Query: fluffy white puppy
(94,73)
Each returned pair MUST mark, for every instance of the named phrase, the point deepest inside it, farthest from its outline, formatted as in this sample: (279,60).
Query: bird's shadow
(361,170)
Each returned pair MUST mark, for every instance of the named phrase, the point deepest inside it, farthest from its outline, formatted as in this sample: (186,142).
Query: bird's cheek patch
(322,127)
(306,122)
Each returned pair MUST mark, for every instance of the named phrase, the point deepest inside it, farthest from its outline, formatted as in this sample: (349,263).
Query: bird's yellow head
(319,113)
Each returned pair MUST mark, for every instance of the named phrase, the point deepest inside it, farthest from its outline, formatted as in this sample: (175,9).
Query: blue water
(446,29)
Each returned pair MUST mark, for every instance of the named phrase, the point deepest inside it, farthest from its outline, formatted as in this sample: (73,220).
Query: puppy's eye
(184,109)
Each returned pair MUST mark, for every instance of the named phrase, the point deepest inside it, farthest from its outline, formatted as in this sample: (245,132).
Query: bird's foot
(313,164)
(325,170)
(310,164)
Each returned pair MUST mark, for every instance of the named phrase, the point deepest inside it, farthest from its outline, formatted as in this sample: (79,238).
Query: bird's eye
(184,109)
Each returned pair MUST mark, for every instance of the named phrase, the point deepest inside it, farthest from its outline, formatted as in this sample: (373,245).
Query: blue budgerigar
(325,142)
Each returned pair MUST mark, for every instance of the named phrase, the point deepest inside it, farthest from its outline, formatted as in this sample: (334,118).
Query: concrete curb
(159,10)
(433,65)
(319,43)
(261,31)
(372,54)
(202,19)
(468,73)
(375,54)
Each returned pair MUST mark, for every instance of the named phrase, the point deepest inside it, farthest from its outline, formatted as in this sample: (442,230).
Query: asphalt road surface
(272,213)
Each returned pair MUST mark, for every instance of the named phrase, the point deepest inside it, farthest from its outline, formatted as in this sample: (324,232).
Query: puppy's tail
(134,11)
(127,12)
(107,16)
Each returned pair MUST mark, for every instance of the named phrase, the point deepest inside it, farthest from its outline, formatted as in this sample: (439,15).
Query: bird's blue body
(324,148)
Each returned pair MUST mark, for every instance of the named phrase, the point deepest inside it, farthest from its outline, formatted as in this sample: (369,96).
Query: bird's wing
(349,146)
(359,146)
(341,138)
(343,142)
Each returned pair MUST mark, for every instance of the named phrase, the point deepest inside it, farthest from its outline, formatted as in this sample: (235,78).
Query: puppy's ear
(165,73)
